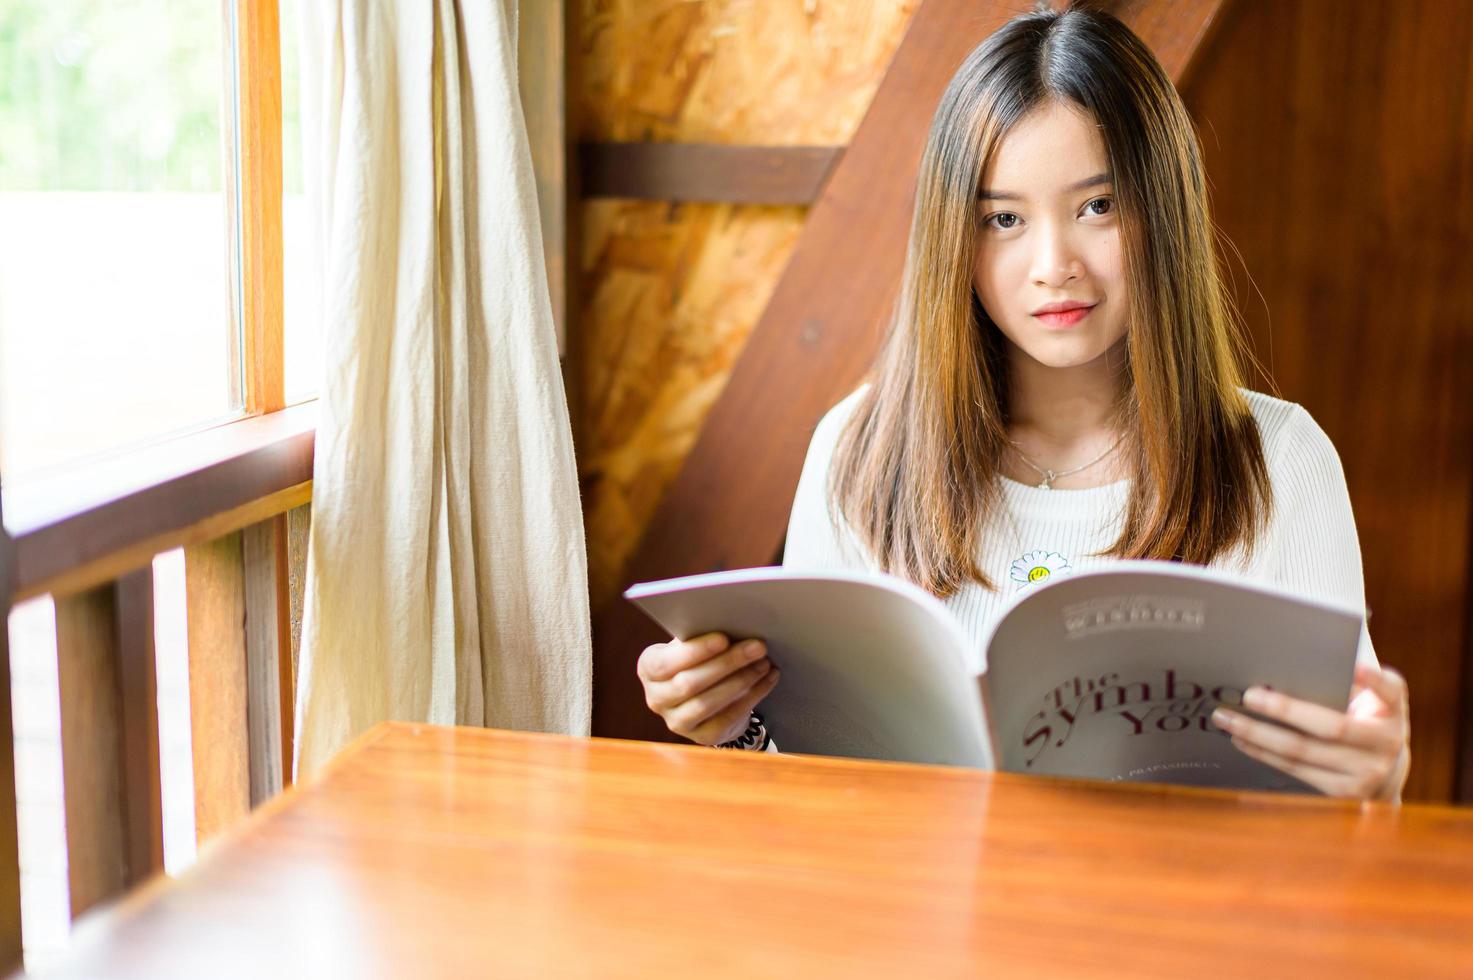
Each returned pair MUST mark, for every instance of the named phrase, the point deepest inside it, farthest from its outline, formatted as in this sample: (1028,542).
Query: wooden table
(455,852)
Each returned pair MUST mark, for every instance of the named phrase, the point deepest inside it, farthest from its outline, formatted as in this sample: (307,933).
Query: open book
(1109,674)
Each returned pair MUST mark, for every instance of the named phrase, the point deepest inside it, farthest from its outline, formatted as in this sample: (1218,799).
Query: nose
(1055,259)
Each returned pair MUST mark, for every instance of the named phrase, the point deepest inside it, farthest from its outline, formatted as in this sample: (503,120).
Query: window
(303,327)
(138,145)
(116,318)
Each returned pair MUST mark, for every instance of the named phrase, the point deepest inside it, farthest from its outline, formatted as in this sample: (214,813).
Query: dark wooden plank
(728,507)
(139,711)
(10,916)
(706,172)
(91,524)
(109,739)
(268,656)
(91,729)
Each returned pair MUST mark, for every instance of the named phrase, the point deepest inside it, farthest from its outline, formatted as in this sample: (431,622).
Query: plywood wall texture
(670,292)
(1339,142)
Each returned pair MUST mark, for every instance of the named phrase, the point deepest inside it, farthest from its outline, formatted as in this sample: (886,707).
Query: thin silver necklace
(1049,476)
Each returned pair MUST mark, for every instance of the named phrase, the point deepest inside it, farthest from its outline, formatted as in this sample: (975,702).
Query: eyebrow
(1095,181)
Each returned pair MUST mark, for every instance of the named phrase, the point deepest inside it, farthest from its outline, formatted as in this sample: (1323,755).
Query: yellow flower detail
(1036,566)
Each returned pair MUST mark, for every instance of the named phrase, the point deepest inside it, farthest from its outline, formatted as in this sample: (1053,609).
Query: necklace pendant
(1048,481)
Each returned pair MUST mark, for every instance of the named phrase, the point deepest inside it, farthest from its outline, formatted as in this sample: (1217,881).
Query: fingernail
(763,667)
(1222,718)
(716,643)
(753,650)
(1255,698)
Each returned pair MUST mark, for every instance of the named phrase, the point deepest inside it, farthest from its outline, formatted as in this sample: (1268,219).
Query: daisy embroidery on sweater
(1039,566)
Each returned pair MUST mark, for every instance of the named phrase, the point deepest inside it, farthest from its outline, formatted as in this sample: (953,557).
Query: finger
(1366,703)
(1387,683)
(1330,783)
(1317,720)
(1291,744)
(690,714)
(732,721)
(664,660)
(693,680)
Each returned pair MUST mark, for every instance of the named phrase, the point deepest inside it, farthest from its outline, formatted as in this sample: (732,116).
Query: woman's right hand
(705,688)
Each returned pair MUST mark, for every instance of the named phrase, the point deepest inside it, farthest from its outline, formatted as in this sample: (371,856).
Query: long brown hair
(916,471)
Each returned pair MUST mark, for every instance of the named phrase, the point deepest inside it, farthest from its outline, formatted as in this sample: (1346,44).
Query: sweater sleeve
(1316,548)
(816,538)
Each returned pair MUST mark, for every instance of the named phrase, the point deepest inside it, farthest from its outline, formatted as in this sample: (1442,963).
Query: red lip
(1063,307)
(1067,316)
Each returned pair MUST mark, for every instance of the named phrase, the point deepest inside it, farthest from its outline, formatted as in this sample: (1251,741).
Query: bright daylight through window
(115,290)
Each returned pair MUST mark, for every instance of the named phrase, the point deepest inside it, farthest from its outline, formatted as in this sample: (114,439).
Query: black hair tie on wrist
(755,738)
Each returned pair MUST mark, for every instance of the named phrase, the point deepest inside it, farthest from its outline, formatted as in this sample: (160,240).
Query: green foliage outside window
(111,95)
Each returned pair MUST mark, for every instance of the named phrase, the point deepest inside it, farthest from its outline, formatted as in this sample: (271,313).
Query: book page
(872,667)
(1114,674)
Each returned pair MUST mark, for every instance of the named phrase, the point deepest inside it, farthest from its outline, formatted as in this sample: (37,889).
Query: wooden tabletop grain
(429,852)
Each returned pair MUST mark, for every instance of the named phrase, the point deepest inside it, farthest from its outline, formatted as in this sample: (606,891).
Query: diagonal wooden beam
(728,506)
(1176,31)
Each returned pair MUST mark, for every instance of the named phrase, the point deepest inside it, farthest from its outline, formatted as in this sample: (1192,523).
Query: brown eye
(1099,206)
(1004,220)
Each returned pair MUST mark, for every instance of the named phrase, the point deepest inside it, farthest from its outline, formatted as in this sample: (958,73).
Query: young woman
(1060,387)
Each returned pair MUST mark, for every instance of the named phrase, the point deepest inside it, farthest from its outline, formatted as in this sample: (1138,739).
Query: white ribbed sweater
(1309,547)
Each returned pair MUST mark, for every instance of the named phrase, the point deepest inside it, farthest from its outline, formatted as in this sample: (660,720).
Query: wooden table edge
(111,914)
(998,777)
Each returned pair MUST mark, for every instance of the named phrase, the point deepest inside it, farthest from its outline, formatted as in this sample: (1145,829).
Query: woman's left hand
(1361,752)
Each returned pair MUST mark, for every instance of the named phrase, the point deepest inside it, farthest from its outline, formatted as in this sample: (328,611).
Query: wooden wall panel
(1339,141)
(788,73)
(673,294)
(669,293)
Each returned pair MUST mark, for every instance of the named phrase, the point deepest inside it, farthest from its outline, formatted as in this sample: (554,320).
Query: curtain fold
(446,573)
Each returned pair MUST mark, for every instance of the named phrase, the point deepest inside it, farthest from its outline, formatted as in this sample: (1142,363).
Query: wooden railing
(232,497)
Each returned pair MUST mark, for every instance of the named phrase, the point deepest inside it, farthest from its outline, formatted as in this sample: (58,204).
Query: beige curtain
(446,578)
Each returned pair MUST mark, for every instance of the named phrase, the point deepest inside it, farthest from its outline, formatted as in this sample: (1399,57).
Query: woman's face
(1050,236)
